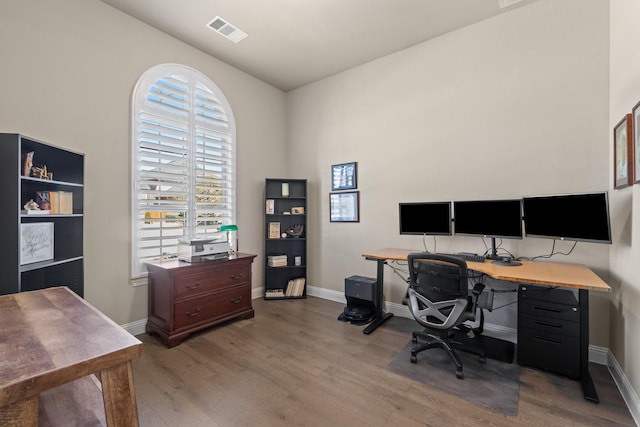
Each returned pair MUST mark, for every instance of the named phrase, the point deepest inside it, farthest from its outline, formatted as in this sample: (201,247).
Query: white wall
(68,71)
(625,253)
(515,105)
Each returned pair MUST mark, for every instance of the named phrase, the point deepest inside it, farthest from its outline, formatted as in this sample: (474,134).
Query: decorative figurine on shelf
(295,230)
(31,206)
(27,163)
(41,172)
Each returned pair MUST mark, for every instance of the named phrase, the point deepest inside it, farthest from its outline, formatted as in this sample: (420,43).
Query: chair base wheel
(459,375)
(414,359)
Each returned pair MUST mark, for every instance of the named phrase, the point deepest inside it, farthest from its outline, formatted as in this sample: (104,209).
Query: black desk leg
(379,316)
(588,388)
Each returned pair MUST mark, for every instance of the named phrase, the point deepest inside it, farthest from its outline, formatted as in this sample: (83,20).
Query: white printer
(201,250)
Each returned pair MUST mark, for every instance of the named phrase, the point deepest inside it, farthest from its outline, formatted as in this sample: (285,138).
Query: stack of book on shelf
(277,260)
(295,287)
(56,202)
(274,293)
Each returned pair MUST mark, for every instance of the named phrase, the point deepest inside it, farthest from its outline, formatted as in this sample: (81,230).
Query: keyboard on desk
(468,256)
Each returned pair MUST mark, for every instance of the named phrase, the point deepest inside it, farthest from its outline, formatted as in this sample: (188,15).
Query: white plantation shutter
(183,162)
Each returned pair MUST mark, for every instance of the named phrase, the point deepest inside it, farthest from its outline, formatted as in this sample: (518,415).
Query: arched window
(183,163)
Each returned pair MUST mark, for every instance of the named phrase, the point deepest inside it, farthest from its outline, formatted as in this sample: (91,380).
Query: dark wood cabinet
(186,297)
(56,235)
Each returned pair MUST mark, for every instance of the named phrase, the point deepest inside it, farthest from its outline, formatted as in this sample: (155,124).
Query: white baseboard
(628,393)
(136,328)
(599,355)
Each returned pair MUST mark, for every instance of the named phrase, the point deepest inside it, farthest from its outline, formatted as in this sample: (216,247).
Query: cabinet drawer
(549,325)
(212,306)
(550,309)
(548,294)
(550,352)
(195,284)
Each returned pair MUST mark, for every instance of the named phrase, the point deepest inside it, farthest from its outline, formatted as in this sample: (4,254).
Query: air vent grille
(225,29)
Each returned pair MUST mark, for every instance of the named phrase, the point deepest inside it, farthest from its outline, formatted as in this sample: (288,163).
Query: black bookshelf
(285,209)
(57,259)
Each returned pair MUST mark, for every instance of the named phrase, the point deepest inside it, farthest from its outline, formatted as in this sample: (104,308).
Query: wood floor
(295,364)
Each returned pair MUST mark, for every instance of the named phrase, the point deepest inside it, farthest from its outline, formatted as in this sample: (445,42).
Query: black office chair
(440,301)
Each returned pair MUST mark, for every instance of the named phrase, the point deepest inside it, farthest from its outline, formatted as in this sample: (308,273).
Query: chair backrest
(438,277)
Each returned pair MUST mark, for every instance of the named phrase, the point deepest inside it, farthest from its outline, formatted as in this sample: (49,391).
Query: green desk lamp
(232,237)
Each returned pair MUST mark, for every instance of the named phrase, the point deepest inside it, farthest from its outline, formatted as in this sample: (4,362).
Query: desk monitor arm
(501,260)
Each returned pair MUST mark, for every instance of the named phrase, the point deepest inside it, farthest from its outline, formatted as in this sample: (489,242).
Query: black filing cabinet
(549,330)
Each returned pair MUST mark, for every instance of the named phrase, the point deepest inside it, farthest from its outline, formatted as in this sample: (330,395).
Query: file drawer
(569,313)
(549,325)
(212,307)
(550,352)
(189,285)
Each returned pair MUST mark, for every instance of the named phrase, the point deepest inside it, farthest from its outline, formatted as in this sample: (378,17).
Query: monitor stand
(501,260)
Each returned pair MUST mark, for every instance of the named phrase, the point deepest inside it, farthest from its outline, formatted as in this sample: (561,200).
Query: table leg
(20,414)
(380,316)
(588,388)
(119,396)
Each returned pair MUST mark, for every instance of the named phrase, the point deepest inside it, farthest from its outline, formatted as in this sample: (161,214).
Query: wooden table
(53,337)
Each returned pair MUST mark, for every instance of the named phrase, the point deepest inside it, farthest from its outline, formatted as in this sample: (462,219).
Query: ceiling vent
(507,3)
(225,29)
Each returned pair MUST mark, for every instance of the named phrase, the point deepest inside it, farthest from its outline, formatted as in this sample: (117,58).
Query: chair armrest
(477,289)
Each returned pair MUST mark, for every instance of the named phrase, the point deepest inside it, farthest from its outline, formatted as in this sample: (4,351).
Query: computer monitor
(489,218)
(425,218)
(580,217)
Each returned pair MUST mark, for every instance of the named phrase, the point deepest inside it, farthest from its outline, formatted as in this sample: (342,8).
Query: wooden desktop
(551,274)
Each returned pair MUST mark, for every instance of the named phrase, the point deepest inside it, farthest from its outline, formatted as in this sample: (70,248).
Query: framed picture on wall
(636,143)
(344,207)
(623,152)
(344,176)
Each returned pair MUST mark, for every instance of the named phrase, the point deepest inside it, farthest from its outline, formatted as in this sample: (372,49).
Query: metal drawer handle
(236,300)
(548,339)
(195,313)
(236,276)
(543,308)
(549,324)
(192,287)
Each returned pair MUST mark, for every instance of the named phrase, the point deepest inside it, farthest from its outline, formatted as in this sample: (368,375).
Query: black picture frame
(344,176)
(344,207)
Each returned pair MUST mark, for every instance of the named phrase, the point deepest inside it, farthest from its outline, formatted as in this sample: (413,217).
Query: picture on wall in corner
(622,153)
(636,143)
